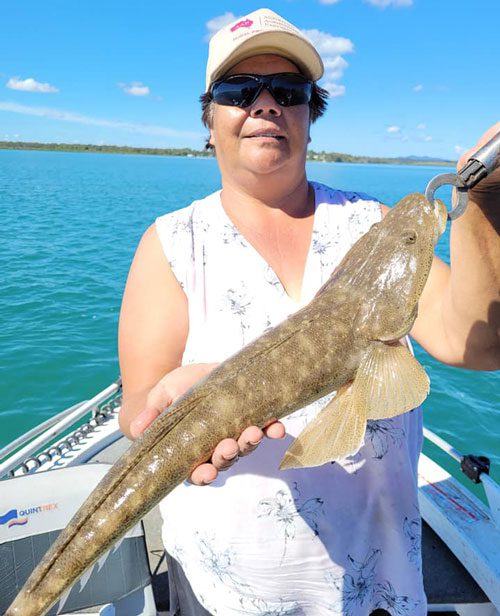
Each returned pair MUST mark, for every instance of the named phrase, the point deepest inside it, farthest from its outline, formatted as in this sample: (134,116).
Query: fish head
(397,262)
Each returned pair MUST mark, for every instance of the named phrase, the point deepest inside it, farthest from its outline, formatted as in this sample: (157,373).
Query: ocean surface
(70,224)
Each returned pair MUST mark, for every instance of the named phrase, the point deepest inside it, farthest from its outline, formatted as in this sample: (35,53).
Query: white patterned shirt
(339,539)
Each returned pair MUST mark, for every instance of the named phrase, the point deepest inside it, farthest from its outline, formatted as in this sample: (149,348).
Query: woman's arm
(153,330)
(459,311)
(153,327)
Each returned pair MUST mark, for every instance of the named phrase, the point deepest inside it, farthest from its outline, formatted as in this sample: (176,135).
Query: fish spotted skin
(369,300)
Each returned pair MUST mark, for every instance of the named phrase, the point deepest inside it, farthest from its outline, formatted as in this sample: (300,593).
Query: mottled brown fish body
(315,351)
(237,394)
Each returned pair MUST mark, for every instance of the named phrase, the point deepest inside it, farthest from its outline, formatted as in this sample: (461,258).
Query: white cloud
(328,1)
(30,85)
(327,44)
(418,88)
(421,126)
(428,138)
(393,129)
(459,149)
(77,118)
(385,3)
(335,67)
(334,89)
(331,49)
(136,88)
(216,23)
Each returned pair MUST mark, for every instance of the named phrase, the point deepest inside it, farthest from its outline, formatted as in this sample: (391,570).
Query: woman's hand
(166,391)
(487,191)
(173,385)
(227,451)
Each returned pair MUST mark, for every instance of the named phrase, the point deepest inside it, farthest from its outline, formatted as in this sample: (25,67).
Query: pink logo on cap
(246,23)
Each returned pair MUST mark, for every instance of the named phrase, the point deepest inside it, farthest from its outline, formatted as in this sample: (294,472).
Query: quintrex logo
(16,517)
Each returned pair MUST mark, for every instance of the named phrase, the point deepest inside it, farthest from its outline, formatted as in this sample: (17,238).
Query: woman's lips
(266,135)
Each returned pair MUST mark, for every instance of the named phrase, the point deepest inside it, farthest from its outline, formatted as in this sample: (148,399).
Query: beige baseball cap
(261,32)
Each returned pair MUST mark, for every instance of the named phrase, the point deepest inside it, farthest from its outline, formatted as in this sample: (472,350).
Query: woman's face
(264,137)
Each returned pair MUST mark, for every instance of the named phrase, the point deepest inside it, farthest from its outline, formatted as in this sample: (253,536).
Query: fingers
(249,440)
(203,474)
(229,450)
(275,430)
(489,134)
(224,456)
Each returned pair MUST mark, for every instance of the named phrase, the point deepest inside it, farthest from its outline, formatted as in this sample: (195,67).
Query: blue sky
(408,77)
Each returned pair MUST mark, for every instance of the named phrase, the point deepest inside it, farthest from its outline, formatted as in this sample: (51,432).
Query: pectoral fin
(392,379)
(335,433)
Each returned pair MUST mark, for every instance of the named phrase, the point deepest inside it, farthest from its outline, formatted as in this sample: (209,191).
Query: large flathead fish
(346,339)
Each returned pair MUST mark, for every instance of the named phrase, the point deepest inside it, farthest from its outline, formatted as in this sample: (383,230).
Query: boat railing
(40,436)
(476,468)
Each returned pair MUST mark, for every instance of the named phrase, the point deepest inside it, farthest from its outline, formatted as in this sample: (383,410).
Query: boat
(47,472)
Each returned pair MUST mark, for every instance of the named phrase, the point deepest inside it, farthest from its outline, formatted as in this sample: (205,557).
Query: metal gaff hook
(478,166)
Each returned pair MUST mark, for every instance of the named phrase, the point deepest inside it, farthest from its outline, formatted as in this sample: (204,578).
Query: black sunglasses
(287,89)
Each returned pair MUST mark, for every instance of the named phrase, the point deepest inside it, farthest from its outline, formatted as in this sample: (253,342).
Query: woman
(338,539)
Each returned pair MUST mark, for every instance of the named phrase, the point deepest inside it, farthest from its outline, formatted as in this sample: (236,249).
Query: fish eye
(409,236)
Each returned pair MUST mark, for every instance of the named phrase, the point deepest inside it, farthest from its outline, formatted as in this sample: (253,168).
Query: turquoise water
(70,226)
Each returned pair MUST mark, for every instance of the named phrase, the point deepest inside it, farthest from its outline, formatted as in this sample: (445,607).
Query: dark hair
(317,107)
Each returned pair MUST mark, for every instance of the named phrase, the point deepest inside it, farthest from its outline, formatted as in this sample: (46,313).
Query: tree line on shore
(330,157)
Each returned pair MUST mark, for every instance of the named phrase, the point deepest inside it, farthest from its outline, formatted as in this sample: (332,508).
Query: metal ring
(100,418)
(22,467)
(72,441)
(45,454)
(35,461)
(461,204)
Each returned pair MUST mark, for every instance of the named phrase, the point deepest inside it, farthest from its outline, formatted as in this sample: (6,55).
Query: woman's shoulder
(335,196)
(342,211)
(187,211)
(183,220)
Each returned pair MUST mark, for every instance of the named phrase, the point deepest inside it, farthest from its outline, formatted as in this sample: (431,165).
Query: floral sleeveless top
(342,538)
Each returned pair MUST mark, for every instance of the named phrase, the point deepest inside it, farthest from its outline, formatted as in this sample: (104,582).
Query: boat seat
(33,510)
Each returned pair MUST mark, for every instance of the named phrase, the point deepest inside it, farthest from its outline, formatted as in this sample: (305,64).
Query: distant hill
(428,159)
(106,149)
(335,157)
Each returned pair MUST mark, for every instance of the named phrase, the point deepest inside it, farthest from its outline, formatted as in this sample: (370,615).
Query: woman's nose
(265,104)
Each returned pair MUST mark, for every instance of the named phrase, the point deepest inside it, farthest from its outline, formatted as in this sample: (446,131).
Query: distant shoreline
(331,157)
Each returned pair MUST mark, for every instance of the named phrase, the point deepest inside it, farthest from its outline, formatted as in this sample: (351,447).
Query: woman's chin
(267,160)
